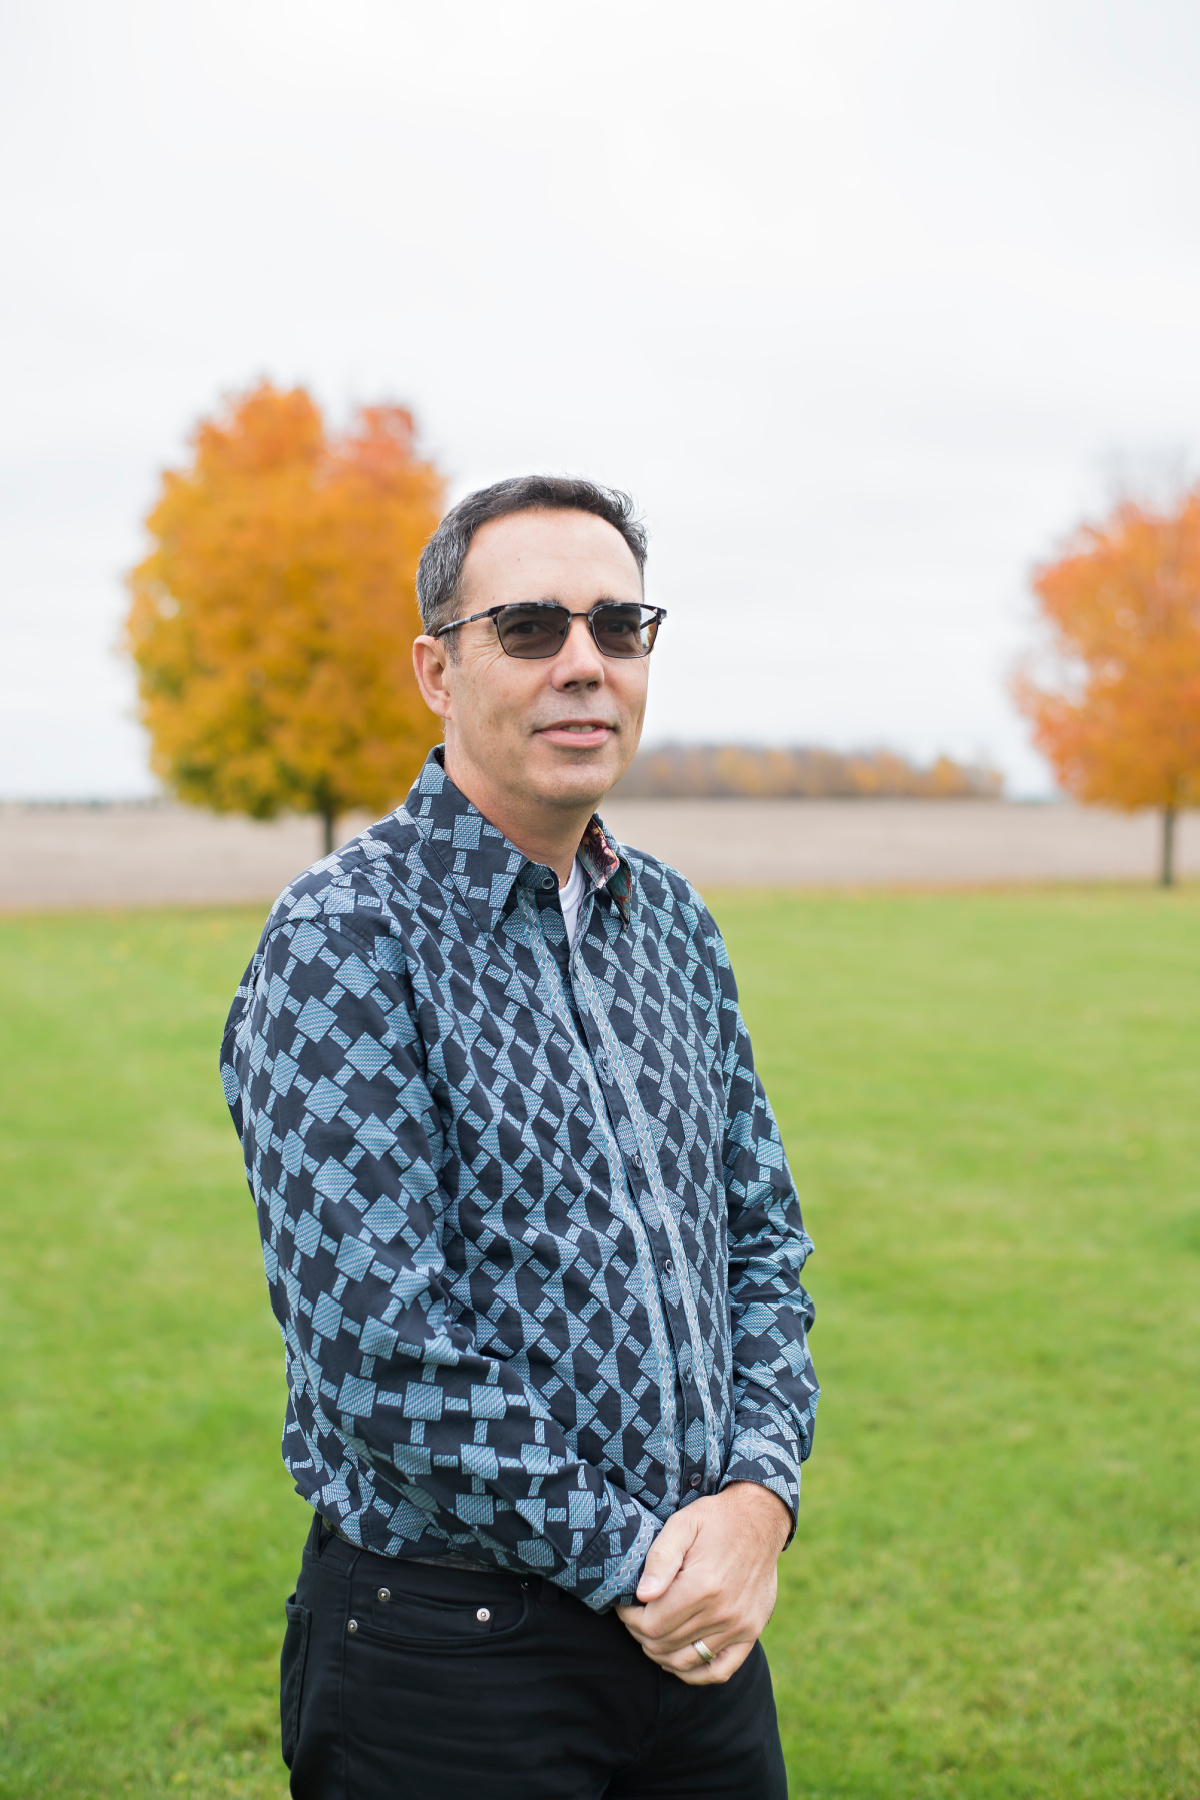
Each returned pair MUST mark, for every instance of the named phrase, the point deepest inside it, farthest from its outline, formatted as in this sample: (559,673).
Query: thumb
(665,1556)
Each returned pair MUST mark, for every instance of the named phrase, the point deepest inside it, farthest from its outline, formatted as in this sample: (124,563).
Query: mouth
(577,734)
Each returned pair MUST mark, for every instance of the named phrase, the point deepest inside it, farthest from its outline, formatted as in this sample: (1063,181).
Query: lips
(577,734)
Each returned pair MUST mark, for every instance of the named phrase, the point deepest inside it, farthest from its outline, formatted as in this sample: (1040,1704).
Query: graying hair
(439,572)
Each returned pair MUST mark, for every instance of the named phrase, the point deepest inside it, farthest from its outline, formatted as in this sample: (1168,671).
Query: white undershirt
(570,898)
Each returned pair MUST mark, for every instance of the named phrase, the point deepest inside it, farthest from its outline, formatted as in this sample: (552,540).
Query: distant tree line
(741,771)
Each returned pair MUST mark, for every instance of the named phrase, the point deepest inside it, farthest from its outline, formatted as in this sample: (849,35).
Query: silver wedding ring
(702,1651)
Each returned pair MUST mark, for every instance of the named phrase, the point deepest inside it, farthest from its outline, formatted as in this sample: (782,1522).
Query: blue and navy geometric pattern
(529,1231)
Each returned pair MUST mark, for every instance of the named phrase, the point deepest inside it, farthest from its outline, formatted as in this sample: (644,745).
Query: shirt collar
(484,865)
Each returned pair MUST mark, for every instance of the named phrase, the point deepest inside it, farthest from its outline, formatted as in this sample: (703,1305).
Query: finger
(713,1674)
(697,1606)
(671,1623)
(665,1557)
(688,1659)
(685,1657)
(632,1618)
(699,1624)
(661,1644)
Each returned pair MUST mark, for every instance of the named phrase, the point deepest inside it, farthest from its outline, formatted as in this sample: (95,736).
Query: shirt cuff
(755,1456)
(622,1574)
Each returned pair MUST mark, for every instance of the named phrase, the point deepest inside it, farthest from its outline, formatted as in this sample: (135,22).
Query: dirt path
(150,855)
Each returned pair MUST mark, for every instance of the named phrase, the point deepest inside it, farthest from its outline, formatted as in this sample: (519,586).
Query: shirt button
(602,1066)
(483,1615)
(668,1267)
(695,1481)
(548,882)
(635,1159)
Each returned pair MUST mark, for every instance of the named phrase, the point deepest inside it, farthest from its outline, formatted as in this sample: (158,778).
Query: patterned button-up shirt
(528,1227)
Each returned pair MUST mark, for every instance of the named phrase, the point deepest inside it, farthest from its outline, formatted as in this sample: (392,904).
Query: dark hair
(439,572)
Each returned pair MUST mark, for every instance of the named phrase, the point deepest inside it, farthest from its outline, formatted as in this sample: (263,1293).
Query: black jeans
(405,1682)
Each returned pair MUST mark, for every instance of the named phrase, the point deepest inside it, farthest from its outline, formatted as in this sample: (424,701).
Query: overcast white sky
(862,301)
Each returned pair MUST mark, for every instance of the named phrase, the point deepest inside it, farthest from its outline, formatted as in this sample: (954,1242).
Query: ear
(431,661)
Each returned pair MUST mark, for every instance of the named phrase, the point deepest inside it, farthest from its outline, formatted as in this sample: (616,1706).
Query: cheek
(513,694)
(631,686)
(496,697)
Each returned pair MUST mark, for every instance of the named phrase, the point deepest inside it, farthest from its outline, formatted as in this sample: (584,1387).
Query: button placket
(581,1023)
(602,1063)
(680,1311)
(689,1368)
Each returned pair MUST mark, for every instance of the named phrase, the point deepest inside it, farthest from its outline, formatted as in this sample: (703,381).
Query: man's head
(529,737)
(440,570)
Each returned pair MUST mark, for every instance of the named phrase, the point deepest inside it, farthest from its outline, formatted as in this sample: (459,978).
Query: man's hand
(710,1575)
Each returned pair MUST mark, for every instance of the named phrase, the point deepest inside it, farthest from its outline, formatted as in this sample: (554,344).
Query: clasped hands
(710,1575)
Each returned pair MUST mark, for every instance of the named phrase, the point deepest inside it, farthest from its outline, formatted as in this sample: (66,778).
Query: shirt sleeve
(775,1387)
(325,1076)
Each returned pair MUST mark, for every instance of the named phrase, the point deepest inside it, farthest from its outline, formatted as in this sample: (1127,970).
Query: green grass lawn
(992,1107)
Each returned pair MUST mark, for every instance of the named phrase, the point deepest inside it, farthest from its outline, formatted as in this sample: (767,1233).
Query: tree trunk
(328,820)
(1167,870)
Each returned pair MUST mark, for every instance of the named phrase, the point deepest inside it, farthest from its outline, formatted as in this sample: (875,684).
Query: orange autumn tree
(272,621)
(1118,717)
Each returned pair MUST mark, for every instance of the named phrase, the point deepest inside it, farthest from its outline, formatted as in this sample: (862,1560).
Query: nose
(578,663)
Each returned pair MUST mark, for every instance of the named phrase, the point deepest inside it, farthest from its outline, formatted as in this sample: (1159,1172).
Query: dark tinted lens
(624,630)
(532,630)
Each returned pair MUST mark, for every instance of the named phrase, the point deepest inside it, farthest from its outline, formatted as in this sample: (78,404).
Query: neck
(545,834)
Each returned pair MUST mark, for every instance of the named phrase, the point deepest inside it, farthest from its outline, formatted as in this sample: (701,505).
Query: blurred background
(869,307)
(865,305)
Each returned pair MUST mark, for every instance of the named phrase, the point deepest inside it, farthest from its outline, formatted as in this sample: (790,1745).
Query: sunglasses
(538,628)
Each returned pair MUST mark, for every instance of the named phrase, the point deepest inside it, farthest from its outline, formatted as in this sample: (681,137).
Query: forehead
(549,555)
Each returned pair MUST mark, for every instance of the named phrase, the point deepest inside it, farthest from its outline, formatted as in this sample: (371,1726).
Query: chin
(575,783)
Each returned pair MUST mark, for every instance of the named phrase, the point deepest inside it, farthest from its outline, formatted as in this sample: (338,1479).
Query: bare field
(78,857)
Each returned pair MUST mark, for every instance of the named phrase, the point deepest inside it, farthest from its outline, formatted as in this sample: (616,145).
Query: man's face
(560,731)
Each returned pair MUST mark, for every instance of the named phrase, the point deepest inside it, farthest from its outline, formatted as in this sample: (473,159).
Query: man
(529,1233)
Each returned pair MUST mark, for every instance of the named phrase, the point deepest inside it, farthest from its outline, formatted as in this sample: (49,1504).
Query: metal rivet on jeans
(483,1615)
(353,1625)
(384,1594)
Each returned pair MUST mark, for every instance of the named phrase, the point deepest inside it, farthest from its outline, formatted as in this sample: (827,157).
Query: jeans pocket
(291,1675)
(423,1607)
(415,1623)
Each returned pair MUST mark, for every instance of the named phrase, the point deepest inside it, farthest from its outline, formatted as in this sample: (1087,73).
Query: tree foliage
(272,621)
(1117,713)
(801,772)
